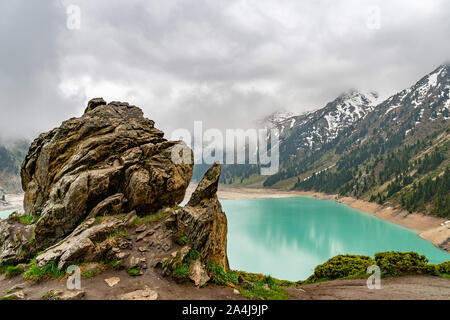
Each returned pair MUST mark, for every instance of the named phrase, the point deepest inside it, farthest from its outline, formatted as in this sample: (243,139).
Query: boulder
(198,273)
(110,160)
(15,241)
(90,241)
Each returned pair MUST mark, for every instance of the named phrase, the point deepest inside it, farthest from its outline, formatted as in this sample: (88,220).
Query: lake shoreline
(428,227)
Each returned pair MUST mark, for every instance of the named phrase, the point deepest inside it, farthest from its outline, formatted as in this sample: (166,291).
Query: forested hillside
(396,152)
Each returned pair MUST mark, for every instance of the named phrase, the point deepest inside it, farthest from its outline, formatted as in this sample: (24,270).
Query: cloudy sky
(221,61)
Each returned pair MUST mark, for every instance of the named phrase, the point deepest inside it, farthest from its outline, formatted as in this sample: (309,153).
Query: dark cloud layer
(223,62)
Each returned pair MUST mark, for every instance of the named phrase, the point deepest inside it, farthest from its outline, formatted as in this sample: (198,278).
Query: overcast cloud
(224,62)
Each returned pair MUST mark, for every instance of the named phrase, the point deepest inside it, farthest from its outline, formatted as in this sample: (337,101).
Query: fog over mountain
(224,62)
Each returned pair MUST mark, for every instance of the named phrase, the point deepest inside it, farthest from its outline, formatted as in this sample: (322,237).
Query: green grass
(116,264)
(119,233)
(266,289)
(25,219)
(220,276)
(134,271)
(150,218)
(50,270)
(182,271)
(50,295)
(194,254)
(12,271)
(90,273)
(182,240)
(3,267)
(8,297)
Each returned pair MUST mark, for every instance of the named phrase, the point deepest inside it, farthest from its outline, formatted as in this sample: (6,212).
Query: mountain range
(392,151)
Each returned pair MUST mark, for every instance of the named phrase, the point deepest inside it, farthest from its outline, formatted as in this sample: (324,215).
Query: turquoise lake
(288,237)
(5,213)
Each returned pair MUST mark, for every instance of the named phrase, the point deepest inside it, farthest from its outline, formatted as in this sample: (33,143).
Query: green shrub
(431,269)
(444,267)
(342,266)
(395,263)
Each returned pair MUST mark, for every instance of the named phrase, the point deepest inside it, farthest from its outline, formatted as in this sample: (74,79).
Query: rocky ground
(96,288)
(399,288)
(159,287)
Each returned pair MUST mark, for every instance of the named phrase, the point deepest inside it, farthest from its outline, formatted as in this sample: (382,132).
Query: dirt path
(97,289)
(400,288)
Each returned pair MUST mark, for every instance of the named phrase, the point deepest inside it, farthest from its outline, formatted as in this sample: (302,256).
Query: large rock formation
(203,222)
(108,161)
(89,183)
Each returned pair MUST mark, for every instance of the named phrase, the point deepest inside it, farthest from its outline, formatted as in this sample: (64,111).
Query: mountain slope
(399,153)
(11,157)
(315,132)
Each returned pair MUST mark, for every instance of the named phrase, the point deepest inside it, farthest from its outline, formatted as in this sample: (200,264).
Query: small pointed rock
(112,281)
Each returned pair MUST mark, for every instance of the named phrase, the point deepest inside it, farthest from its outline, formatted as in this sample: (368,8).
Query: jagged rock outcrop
(203,222)
(14,240)
(110,160)
(88,185)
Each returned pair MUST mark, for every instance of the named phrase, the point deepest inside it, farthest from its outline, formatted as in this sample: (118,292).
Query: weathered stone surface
(14,239)
(110,206)
(145,294)
(203,222)
(88,242)
(66,294)
(136,262)
(94,103)
(107,161)
(207,187)
(18,295)
(174,260)
(198,273)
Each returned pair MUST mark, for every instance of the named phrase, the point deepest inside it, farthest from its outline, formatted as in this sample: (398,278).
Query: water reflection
(287,238)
